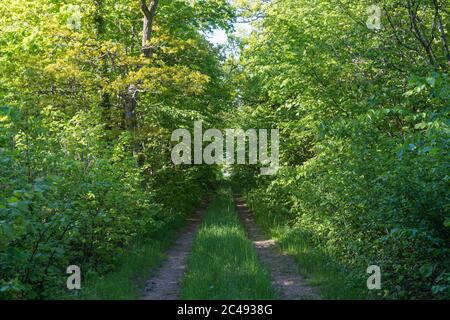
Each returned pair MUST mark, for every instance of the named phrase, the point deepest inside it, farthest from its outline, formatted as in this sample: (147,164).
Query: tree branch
(149,17)
(442,32)
(417,31)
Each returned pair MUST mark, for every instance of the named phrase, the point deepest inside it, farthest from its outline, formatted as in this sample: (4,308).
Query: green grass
(135,267)
(333,280)
(128,280)
(224,263)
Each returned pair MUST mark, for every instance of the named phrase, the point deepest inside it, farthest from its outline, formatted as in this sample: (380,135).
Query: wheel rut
(285,277)
(165,283)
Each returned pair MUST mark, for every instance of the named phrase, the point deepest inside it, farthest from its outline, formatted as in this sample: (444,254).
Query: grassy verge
(334,281)
(136,266)
(224,263)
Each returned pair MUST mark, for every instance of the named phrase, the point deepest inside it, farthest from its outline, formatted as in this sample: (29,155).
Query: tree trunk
(442,33)
(129,108)
(130,97)
(99,24)
(149,17)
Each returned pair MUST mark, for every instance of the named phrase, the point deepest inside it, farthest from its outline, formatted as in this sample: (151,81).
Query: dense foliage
(363,116)
(89,97)
(85,123)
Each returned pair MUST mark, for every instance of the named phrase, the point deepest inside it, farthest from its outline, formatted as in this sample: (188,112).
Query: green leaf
(447,222)
(12,200)
(7,230)
(426,270)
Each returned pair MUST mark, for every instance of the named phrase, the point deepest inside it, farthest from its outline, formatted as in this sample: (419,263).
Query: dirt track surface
(165,283)
(285,277)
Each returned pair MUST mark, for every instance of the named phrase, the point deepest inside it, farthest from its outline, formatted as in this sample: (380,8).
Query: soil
(166,281)
(286,280)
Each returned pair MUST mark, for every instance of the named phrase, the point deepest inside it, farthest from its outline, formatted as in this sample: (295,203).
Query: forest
(91,92)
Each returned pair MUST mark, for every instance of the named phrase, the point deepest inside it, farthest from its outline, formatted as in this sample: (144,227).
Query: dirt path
(165,283)
(285,278)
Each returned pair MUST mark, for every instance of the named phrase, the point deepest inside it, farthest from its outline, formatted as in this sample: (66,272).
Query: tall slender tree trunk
(99,24)
(130,97)
(129,108)
(149,17)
